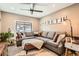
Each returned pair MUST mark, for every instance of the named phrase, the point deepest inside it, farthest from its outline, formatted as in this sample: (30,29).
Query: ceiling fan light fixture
(32,9)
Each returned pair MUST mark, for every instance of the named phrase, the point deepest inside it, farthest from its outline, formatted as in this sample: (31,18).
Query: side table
(74,48)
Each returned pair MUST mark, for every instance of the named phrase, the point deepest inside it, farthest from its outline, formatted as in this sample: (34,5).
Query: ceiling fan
(32,9)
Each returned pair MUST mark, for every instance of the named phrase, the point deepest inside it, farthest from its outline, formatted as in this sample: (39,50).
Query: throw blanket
(35,42)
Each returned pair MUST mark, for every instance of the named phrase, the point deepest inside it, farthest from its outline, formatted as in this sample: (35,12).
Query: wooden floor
(18,51)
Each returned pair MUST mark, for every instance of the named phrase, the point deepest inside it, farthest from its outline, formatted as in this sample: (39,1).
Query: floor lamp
(71,29)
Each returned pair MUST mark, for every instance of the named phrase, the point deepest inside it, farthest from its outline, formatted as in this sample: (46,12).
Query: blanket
(35,42)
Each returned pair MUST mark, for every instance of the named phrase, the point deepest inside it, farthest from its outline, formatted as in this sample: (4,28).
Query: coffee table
(32,43)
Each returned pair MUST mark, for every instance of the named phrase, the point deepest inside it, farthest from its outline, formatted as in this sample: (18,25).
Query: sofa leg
(26,52)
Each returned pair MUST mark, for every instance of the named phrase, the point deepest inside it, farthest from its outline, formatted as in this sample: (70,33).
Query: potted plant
(5,35)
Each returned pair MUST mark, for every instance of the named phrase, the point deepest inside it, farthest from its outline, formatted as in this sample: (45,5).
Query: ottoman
(28,47)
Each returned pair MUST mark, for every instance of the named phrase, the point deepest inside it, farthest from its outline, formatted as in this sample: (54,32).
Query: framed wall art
(59,20)
(54,21)
(49,21)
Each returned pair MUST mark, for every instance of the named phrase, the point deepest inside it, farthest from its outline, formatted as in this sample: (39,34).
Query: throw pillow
(55,37)
(44,34)
(50,35)
(60,37)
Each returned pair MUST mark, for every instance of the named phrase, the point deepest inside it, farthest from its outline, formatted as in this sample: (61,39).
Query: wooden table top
(2,47)
(72,46)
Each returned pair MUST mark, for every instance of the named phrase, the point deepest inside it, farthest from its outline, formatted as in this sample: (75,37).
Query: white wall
(9,21)
(72,12)
(0,21)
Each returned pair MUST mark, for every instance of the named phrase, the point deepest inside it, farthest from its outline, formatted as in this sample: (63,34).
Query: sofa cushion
(39,38)
(50,35)
(53,44)
(27,34)
(44,34)
(45,39)
(60,37)
(18,35)
(29,37)
(42,38)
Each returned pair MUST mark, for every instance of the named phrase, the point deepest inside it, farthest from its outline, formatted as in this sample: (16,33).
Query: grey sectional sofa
(52,40)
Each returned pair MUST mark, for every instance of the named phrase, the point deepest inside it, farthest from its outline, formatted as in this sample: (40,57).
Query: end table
(74,48)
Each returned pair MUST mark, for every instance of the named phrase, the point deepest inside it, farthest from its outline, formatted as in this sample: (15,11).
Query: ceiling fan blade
(33,5)
(25,9)
(37,11)
(31,11)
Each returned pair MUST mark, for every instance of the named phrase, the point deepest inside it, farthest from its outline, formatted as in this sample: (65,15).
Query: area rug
(18,51)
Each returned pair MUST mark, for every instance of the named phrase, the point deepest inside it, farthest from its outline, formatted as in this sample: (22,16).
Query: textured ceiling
(47,8)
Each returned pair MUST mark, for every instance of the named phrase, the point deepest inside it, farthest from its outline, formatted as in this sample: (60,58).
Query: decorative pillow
(55,37)
(44,34)
(29,34)
(18,36)
(25,34)
(60,37)
(50,35)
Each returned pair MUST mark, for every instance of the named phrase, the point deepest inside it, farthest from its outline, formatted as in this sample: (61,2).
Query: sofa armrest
(51,43)
(61,43)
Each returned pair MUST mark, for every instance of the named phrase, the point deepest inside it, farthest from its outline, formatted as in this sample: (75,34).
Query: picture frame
(54,21)
(62,19)
(51,21)
(59,21)
(48,21)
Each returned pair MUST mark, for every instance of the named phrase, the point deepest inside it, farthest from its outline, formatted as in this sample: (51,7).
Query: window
(23,27)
